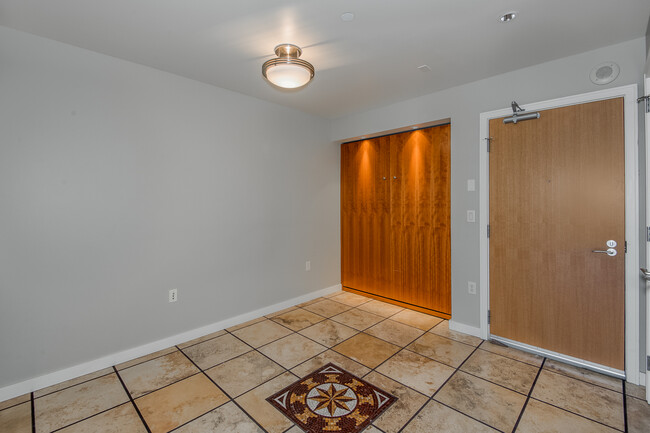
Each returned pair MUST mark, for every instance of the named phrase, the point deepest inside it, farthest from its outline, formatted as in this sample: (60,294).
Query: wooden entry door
(557,193)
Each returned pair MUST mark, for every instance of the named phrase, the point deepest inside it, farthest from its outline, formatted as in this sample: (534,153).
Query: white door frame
(646,85)
(629,93)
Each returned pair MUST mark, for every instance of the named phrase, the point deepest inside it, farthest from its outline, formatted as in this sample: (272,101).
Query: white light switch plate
(471,216)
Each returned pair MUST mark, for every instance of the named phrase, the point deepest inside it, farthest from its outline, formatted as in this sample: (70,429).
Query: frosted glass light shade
(288,76)
(287,70)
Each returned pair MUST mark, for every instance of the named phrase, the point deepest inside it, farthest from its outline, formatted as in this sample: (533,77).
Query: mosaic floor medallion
(331,400)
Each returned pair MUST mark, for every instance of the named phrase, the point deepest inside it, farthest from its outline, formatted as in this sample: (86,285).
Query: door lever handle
(645,272)
(609,251)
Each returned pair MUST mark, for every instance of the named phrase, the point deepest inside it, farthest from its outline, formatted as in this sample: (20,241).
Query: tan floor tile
(170,407)
(637,391)
(351,299)
(369,429)
(366,349)
(296,429)
(324,358)
(247,323)
(438,418)
(380,308)
(584,374)
(329,333)
(215,351)
(579,397)
(122,419)
(416,371)
(227,418)
(16,419)
(244,373)
(443,330)
(201,339)
(542,418)
(148,357)
(482,400)
(638,415)
(149,376)
(73,404)
(503,371)
(72,382)
(14,401)
(262,333)
(312,301)
(357,319)
(277,313)
(298,319)
(255,404)
(416,319)
(327,308)
(399,413)
(509,352)
(441,349)
(292,350)
(395,332)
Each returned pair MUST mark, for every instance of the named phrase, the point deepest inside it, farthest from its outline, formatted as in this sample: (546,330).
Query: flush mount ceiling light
(287,70)
(508,17)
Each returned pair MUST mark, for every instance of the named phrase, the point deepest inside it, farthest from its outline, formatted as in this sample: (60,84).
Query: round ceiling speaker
(604,73)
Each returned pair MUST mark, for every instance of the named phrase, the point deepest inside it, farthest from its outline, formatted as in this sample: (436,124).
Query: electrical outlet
(173,295)
(471,216)
(307,266)
(471,287)
(471,185)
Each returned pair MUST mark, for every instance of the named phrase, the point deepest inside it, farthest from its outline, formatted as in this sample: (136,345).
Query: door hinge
(647,363)
(646,99)
(488,230)
(647,234)
(625,247)
(488,141)
(489,318)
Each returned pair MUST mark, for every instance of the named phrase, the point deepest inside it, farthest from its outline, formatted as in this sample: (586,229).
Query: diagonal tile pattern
(444,380)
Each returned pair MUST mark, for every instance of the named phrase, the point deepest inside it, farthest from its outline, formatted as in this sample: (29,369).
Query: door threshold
(576,362)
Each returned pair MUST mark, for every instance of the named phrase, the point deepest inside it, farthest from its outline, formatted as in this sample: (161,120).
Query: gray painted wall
(463,104)
(119,182)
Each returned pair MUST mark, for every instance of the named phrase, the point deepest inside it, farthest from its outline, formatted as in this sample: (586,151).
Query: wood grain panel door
(557,192)
(420,212)
(365,208)
(395,210)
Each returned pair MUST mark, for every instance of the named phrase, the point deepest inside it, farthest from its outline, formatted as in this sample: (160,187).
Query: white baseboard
(465,329)
(642,381)
(49,379)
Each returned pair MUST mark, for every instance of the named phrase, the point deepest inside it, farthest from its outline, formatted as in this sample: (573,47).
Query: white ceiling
(369,62)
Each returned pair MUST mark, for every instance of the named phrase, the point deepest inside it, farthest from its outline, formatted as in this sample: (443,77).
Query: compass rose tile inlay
(331,400)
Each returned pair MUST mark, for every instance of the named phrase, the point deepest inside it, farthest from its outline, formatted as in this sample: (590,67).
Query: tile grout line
(33,413)
(132,400)
(530,392)
(226,394)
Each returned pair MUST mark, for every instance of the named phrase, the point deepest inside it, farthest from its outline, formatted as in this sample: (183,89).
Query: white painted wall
(463,104)
(119,182)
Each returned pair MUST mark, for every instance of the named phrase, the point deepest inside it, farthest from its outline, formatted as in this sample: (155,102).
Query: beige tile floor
(445,381)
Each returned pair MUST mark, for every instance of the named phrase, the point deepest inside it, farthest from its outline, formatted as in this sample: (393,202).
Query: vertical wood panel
(557,192)
(408,223)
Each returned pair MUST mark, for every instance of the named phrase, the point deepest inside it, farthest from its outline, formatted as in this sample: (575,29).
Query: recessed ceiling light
(508,17)
(348,16)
